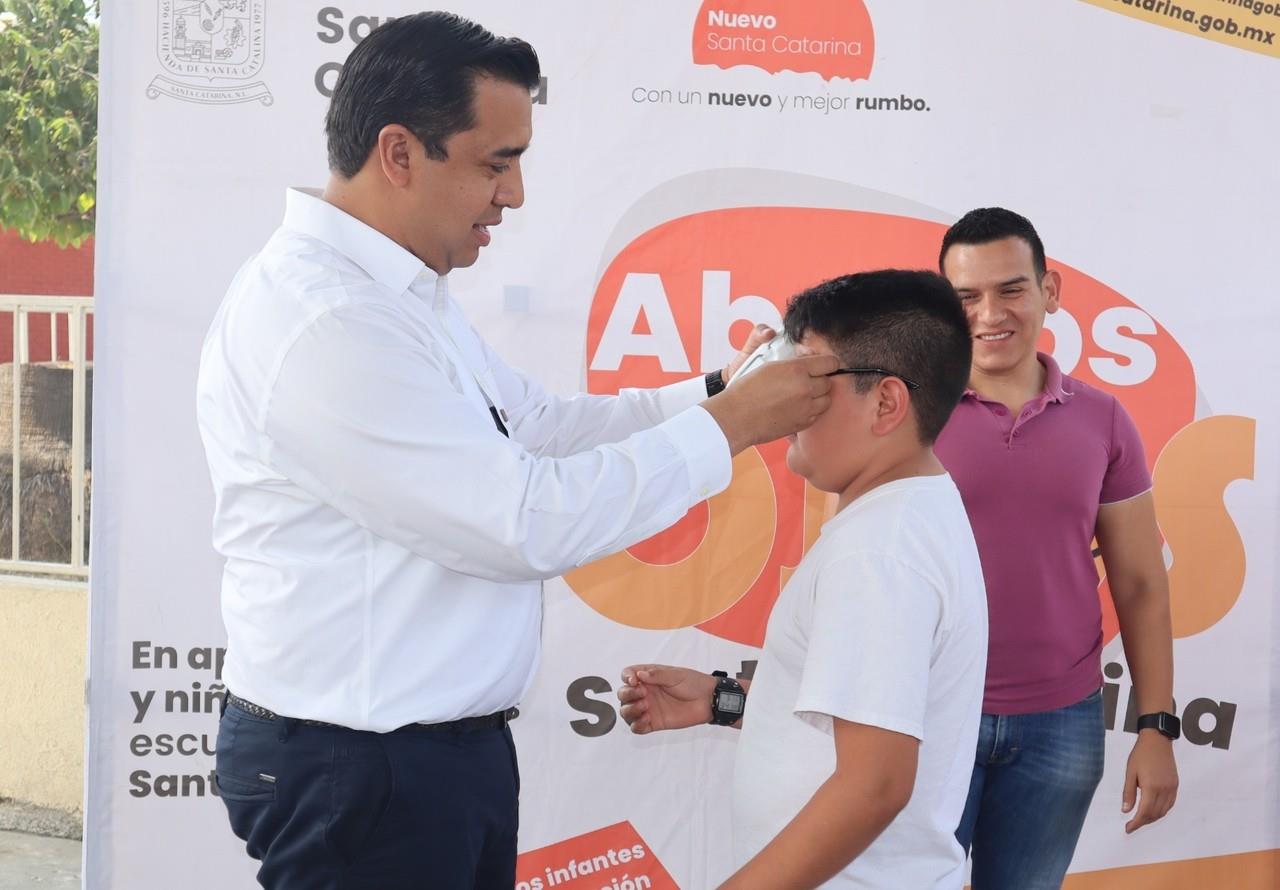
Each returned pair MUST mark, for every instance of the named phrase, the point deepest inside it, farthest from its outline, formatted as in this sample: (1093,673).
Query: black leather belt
(466,724)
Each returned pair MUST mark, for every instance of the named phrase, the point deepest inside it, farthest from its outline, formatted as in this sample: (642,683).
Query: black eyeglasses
(911,384)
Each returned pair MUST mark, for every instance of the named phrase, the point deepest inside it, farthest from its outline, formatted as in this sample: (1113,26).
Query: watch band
(1168,725)
(715,383)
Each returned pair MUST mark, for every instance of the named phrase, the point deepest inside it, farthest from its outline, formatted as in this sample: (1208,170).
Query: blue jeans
(1033,779)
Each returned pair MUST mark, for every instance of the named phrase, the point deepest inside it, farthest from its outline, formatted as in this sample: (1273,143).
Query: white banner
(692,167)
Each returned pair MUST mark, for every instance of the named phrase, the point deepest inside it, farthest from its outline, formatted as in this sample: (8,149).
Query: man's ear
(394,153)
(1051,284)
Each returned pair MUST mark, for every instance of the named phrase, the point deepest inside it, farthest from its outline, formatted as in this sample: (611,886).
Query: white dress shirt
(385,543)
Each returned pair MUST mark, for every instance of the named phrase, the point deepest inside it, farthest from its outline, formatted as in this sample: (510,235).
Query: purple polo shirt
(1032,485)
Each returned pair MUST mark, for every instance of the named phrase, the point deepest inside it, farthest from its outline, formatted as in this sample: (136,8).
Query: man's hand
(776,400)
(761,333)
(658,696)
(1151,768)
(1129,539)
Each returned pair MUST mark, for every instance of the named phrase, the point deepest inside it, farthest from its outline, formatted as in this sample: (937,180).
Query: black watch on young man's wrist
(1162,722)
(728,701)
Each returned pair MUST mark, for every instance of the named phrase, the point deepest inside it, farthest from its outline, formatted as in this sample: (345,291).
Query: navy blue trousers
(327,808)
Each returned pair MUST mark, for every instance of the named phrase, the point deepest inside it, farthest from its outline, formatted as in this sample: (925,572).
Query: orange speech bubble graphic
(831,39)
(1191,476)
(681,296)
(611,857)
(701,585)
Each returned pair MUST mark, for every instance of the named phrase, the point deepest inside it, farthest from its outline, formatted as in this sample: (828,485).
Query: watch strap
(715,383)
(1168,725)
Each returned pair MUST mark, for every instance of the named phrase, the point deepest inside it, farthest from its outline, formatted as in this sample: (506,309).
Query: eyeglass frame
(910,384)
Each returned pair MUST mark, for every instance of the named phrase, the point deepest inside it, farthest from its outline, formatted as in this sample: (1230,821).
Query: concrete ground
(28,861)
(38,847)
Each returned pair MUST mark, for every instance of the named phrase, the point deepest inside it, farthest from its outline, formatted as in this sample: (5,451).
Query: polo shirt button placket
(1001,412)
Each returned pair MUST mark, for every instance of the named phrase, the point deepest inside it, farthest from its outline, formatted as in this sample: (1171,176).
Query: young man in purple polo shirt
(1046,463)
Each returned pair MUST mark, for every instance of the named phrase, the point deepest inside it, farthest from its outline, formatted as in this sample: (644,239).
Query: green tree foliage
(48,118)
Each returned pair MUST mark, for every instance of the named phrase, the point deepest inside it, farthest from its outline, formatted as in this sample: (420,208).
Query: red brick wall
(43,268)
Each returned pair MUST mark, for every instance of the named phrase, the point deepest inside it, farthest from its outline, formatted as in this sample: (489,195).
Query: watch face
(730,701)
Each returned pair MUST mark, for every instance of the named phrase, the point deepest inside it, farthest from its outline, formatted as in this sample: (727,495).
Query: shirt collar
(385,261)
(1053,379)
(1054,388)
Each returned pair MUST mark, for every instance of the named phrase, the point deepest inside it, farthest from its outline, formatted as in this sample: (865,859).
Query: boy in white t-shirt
(858,730)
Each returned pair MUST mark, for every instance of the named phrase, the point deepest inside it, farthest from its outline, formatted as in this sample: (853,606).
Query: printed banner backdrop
(693,166)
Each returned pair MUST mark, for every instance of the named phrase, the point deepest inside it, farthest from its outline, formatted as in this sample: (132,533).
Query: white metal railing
(77,310)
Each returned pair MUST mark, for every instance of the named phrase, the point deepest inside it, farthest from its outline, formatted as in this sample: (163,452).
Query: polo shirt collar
(1054,386)
(385,261)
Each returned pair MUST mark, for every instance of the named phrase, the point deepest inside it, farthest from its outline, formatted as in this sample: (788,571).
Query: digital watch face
(731,701)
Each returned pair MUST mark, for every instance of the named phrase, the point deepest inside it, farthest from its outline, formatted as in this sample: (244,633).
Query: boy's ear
(893,406)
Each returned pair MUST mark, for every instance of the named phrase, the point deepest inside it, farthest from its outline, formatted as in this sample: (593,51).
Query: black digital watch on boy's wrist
(728,701)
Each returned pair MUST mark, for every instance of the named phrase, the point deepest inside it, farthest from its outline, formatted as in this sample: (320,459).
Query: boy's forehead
(813,344)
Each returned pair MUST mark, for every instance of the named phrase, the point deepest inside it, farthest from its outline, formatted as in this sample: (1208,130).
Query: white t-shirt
(884,623)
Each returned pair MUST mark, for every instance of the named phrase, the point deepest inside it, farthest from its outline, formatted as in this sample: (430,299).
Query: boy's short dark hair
(987,224)
(910,323)
(418,71)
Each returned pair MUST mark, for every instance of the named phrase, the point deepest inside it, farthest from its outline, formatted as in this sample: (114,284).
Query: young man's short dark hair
(910,323)
(418,71)
(987,224)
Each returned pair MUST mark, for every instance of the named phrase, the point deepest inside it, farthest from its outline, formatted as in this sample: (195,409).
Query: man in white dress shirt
(390,494)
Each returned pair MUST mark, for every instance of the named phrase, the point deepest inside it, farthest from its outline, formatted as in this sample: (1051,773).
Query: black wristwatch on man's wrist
(715,383)
(728,701)
(1162,722)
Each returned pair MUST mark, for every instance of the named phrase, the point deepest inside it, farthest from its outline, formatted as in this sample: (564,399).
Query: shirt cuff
(701,442)
(1109,498)
(675,398)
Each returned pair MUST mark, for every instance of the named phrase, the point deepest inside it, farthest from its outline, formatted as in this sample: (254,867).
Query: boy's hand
(658,696)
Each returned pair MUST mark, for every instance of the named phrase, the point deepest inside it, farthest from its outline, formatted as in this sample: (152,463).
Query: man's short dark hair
(910,323)
(418,71)
(987,224)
